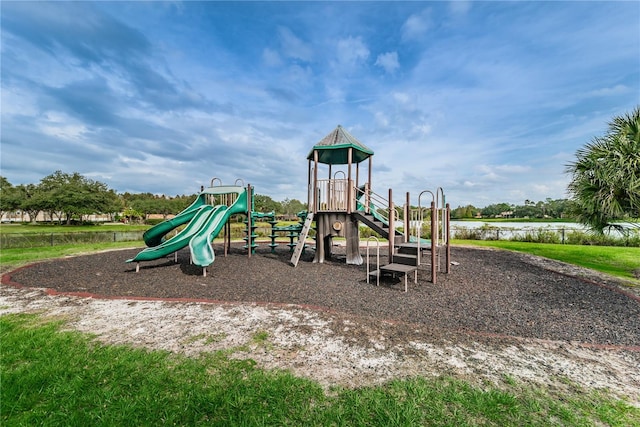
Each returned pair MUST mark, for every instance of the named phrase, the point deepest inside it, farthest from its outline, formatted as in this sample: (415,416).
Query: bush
(539,235)
(366,232)
(486,232)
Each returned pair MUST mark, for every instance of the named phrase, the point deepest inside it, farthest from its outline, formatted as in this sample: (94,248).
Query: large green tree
(9,197)
(605,184)
(72,196)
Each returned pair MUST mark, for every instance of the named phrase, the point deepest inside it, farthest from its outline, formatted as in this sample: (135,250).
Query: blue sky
(489,100)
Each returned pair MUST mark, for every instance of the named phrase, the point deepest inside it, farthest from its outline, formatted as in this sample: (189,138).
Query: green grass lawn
(622,262)
(49,228)
(54,377)
(14,258)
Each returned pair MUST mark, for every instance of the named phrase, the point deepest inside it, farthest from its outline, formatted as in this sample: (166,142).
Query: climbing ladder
(301,239)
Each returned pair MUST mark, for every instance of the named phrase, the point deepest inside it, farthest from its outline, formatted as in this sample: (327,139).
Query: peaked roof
(333,149)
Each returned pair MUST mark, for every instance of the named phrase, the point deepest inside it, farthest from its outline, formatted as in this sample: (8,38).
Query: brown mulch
(486,292)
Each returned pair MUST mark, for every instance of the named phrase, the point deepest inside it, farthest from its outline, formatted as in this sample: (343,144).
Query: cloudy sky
(489,100)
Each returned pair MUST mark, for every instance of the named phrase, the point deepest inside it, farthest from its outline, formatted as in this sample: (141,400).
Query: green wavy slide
(204,225)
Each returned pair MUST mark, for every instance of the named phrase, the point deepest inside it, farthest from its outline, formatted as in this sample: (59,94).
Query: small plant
(539,235)
(260,337)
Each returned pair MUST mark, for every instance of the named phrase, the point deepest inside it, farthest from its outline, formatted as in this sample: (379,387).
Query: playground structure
(337,205)
(208,215)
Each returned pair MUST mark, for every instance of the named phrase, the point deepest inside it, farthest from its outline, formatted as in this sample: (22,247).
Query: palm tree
(606,174)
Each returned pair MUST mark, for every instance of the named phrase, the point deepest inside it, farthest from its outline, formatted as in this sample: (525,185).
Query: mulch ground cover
(486,292)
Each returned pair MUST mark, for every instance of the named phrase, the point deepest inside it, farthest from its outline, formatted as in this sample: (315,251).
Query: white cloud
(388,61)
(401,97)
(460,7)
(293,46)
(513,168)
(351,53)
(422,129)
(610,91)
(417,25)
(271,58)
(381,119)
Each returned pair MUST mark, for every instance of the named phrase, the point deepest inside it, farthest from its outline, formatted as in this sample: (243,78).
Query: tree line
(70,197)
(549,208)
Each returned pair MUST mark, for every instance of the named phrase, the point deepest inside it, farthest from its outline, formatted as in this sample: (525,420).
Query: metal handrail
(374,199)
(377,259)
(420,210)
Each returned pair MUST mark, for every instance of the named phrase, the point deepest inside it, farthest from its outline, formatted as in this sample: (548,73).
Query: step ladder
(301,239)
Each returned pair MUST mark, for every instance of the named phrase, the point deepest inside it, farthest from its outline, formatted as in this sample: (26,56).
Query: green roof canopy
(334,148)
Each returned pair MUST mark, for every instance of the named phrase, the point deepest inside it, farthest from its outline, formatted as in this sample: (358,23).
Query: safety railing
(373,203)
(333,195)
(377,241)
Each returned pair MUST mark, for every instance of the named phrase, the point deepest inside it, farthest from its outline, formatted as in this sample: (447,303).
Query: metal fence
(34,240)
(562,235)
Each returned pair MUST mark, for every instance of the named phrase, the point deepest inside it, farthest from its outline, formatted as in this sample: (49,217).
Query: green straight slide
(204,224)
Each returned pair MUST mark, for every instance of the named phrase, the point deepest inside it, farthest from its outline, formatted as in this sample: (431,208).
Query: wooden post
(448,237)
(331,192)
(434,243)
(407,224)
(349,189)
(309,187)
(369,178)
(315,181)
(249,233)
(392,230)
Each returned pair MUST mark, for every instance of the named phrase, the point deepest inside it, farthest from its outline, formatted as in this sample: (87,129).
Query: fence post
(51,239)
(562,230)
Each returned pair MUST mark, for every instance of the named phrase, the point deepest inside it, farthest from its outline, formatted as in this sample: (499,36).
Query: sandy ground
(335,348)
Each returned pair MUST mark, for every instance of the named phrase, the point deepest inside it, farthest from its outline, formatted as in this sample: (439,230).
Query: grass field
(54,377)
(47,228)
(622,262)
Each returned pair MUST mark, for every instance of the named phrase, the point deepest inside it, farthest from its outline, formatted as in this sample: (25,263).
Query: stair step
(398,268)
(411,247)
(403,269)
(406,259)
(406,251)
